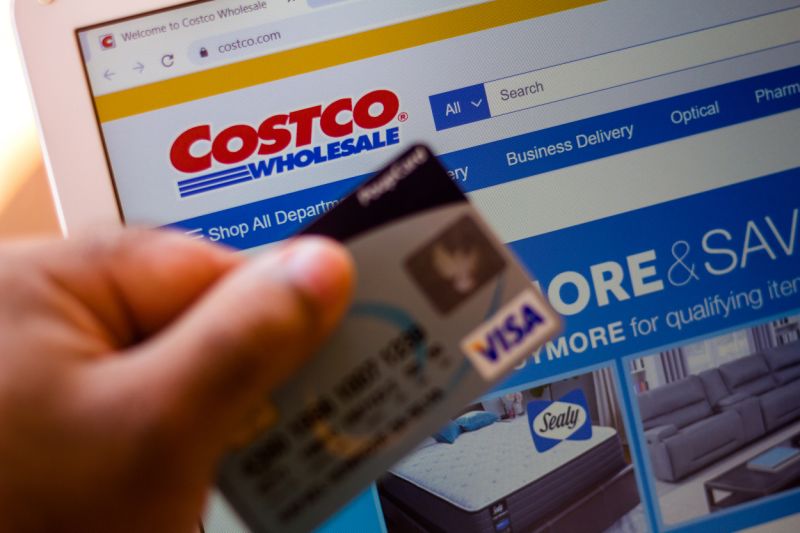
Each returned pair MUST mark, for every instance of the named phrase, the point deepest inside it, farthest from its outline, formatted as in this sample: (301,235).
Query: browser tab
(325,3)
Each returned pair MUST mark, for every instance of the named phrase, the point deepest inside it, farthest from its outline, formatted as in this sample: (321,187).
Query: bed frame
(606,503)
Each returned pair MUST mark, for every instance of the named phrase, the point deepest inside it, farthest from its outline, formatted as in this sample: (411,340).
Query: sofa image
(700,419)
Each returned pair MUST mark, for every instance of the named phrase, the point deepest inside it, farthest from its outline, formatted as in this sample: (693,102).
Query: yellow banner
(325,54)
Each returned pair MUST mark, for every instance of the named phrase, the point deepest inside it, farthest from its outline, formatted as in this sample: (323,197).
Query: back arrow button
(108,74)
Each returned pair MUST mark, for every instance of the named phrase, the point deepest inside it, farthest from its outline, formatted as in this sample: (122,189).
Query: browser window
(641,157)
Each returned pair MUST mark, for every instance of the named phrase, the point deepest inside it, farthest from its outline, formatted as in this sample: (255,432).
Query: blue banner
(663,274)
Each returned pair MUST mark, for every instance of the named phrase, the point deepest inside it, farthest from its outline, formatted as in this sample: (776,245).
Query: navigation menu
(523,156)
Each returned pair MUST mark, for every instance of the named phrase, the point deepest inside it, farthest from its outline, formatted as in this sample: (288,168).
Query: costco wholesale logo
(552,423)
(284,142)
(107,42)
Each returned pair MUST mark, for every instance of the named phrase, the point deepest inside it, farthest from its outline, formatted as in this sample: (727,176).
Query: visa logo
(510,333)
(553,422)
(508,337)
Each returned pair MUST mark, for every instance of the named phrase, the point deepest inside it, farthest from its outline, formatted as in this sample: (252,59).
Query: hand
(129,363)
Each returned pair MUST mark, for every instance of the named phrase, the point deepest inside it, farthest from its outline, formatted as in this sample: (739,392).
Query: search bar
(613,69)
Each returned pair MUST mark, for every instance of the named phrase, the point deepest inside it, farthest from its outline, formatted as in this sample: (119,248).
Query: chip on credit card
(442,311)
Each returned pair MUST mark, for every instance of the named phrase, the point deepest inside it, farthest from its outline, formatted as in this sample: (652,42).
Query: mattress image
(493,479)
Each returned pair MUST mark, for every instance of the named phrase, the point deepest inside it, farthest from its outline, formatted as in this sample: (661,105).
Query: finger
(247,335)
(127,285)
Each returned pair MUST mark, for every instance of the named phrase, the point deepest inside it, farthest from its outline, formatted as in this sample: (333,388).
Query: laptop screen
(641,157)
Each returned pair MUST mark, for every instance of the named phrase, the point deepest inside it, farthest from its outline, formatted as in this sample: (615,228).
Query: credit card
(442,312)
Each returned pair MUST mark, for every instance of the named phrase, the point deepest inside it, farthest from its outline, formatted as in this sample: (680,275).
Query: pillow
(476,420)
(448,434)
(495,405)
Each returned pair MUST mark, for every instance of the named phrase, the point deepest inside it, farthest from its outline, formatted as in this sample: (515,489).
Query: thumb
(246,336)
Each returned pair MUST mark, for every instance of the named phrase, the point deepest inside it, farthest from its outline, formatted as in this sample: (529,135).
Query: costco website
(642,160)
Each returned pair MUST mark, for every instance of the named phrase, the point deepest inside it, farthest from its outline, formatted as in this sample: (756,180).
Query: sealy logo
(284,141)
(506,338)
(554,422)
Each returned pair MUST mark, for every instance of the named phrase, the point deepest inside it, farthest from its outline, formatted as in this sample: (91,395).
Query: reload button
(683,117)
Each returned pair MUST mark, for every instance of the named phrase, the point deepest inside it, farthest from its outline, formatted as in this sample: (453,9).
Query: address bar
(292,32)
(237,44)
(642,62)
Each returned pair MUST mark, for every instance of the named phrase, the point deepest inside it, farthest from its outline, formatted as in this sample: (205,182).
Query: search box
(642,62)
(617,68)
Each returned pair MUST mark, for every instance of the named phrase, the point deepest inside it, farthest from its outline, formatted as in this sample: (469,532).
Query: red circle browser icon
(107,42)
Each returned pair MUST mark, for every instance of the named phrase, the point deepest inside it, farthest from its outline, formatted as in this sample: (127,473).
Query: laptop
(641,156)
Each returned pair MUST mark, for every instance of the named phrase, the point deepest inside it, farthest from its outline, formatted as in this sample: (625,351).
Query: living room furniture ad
(721,419)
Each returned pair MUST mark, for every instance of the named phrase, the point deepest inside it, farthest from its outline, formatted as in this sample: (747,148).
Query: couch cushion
(659,433)
(750,375)
(787,375)
(781,405)
(680,403)
(715,387)
(750,414)
(733,399)
(784,362)
(709,435)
